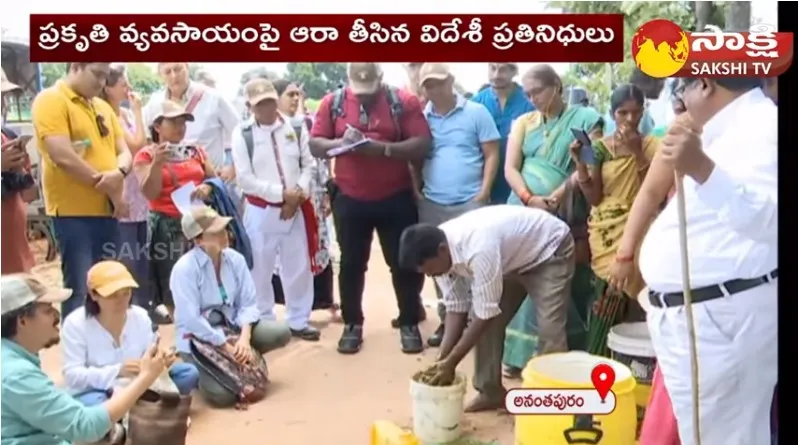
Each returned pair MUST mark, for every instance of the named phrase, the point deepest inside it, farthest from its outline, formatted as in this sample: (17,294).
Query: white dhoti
(270,235)
(737,346)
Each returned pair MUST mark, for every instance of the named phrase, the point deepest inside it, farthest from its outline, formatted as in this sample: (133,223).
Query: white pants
(295,273)
(737,342)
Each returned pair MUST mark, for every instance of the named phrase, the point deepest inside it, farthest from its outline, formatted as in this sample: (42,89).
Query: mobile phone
(23,140)
(586,154)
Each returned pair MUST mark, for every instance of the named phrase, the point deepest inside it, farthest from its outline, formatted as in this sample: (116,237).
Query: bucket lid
(631,339)
(572,370)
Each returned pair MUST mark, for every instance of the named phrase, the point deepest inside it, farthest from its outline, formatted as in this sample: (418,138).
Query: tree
(193,69)
(51,72)
(317,79)
(142,78)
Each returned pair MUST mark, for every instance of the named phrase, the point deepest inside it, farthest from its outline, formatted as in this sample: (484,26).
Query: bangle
(624,258)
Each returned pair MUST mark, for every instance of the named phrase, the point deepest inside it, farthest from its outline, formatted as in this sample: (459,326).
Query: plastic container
(572,370)
(630,344)
(437,411)
(388,433)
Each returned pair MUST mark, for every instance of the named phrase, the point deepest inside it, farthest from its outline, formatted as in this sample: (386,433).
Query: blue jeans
(185,376)
(133,253)
(82,242)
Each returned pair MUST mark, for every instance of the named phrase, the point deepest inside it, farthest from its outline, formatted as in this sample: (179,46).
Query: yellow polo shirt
(60,111)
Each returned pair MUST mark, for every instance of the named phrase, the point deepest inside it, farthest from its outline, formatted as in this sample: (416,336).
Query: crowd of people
(531,210)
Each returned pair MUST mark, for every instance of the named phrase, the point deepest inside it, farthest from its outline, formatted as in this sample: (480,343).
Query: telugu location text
(723,69)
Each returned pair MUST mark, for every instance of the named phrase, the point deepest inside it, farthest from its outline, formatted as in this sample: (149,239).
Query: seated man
(212,278)
(487,261)
(34,411)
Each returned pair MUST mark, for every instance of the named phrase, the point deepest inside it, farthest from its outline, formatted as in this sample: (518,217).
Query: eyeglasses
(100,121)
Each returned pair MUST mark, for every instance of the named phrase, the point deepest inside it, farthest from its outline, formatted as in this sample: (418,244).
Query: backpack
(391,93)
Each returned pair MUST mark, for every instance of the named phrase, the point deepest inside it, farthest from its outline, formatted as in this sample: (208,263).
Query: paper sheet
(347,148)
(182,198)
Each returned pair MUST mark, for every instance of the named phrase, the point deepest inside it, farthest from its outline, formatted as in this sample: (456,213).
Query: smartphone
(23,140)
(586,155)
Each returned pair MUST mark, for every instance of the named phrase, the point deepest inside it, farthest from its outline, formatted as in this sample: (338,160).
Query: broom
(688,306)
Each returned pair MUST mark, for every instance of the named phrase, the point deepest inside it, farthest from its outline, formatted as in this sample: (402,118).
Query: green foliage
(193,69)
(598,78)
(141,76)
(317,78)
(51,72)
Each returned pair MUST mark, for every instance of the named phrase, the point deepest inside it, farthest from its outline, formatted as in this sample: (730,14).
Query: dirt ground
(320,396)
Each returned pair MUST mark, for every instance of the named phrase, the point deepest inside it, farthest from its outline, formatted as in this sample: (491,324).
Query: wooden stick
(688,307)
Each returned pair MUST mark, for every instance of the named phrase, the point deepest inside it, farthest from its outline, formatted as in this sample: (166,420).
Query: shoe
(308,333)
(411,339)
(422,317)
(436,339)
(351,339)
(160,315)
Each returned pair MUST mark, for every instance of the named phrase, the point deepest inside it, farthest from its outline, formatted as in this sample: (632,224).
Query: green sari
(546,166)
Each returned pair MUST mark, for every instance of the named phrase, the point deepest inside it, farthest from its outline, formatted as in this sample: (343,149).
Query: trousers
(185,376)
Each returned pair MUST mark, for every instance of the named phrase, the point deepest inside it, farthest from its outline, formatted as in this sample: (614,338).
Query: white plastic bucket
(631,345)
(437,411)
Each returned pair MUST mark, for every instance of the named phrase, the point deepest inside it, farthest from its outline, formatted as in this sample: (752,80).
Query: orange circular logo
(660,48)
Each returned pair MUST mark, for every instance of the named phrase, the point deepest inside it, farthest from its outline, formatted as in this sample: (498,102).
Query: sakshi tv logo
(662,49)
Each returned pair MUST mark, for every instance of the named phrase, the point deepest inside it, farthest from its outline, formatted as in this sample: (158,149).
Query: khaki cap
(438,71)
(5,85)
(171,109)
(257,90)
(203,219)
(107,277)
(364,78)
(19,290)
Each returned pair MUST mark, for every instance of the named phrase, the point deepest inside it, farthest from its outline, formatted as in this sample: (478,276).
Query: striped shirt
(489,243)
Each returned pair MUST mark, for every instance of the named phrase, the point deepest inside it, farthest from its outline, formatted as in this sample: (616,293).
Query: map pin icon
(603,377)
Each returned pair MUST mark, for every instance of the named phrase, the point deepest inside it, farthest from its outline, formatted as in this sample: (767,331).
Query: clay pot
(159,419)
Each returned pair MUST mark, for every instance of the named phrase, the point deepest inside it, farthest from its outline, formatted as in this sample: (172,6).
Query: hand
(287,211)
(539,202)
(153,362)
(352,135)
(682,148)
(226,173)
(439,374)
(135,101)
(160,154)
(202,192)
(575,149)
(130,368)
(170,357)
(244,350)
(628,136)
(121,207)
(620,271)
(109,182)
(482,198)
(239,353)
(14,157)
(293,196)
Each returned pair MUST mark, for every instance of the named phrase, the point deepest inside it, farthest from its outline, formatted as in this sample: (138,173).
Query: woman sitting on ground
(210,280)
(162,168)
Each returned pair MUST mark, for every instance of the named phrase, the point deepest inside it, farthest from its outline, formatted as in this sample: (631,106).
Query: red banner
(326,38)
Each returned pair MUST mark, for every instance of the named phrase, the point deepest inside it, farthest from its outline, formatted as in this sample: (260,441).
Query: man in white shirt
(725,146)
(274,169)
(214,116)
(485,262)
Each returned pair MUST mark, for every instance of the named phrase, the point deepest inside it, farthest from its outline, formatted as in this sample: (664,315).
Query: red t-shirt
(16,254)
(370,178)
(173,176)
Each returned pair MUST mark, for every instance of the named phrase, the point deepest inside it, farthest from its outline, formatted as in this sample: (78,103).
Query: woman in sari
(538,163)
(163,167)
(610,186)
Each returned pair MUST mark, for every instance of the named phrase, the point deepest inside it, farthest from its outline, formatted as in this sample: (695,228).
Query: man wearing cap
(505,100)
(17,181)
(459,171)
(34,411)
(275,168)
(372,190)
(731,200)
(212,278)
(84,161)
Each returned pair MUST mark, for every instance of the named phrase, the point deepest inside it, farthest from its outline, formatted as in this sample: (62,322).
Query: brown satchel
(159,419)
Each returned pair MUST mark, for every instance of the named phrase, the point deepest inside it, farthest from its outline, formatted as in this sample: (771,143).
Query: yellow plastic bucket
(571,370)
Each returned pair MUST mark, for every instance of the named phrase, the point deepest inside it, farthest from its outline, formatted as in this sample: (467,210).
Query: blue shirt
(195,290)
(516,105)
(35,412)
(454,168)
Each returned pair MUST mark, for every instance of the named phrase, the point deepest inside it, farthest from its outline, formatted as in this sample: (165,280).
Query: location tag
(603,377)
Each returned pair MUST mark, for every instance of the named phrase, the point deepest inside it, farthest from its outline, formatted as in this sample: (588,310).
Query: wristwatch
(387,151)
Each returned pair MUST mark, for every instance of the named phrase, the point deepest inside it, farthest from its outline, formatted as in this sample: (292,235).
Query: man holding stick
(725,147)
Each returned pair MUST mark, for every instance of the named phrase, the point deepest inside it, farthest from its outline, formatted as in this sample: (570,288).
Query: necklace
(546,122)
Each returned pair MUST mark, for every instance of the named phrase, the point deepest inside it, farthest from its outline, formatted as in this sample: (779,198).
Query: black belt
(671,299)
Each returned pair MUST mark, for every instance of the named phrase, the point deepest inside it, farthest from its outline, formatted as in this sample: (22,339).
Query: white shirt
(92,359)
(214,119)
(488,243)
(260,175)
(732,219)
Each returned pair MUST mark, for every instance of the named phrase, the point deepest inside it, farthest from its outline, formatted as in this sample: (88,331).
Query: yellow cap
(107,277)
